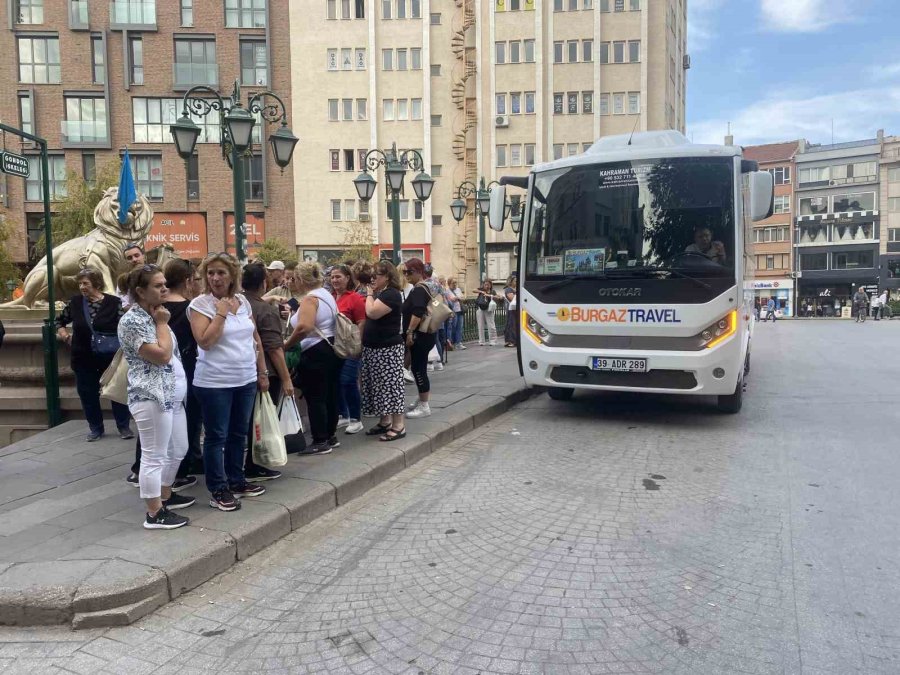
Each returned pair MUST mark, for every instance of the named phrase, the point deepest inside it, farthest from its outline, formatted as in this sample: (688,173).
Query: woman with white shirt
(230,368)
(157,387)
(319,371)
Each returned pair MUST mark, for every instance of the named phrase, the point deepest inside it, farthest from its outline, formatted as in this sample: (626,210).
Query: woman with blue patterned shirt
(157,387)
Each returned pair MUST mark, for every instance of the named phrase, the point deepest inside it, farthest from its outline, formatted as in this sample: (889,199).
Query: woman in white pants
(157,387)
(486,304)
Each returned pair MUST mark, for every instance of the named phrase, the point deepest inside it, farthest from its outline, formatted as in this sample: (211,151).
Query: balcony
(187,75)
(138,15)
(79,17)
(78,133)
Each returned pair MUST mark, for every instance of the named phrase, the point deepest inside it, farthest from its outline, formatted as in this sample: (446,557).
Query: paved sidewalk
(72,549)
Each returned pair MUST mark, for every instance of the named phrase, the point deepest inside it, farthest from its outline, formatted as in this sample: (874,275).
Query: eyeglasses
(381,274)
(219,254)
(406,273)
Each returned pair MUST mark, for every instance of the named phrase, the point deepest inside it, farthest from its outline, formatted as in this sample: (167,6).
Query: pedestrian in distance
(510,296)
(458,295)
(353,306)
(434,288)
(94,316)
(231,368)
(770,310)
(860,305)
(882,303)
(179,280)
(383,387)
(486,306)
(157,388)
(269,327)
(418,344)
(312,326)
(133,253)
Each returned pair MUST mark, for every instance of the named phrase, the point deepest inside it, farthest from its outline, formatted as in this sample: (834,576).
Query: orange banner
(185,232)
(254,232)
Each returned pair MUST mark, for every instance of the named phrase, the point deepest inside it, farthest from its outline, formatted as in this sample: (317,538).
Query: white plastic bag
(289,417)
(433,355)
(268,441)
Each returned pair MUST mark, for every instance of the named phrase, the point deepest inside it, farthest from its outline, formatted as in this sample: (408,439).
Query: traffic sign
(13,164)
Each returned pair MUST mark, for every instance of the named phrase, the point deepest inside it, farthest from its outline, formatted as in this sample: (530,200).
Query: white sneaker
(438,366)
(430,368)
(413,406)
(493,343)
(423,410)
(481,344)
(408,376)
(343,422)
(354,427)
(461,346)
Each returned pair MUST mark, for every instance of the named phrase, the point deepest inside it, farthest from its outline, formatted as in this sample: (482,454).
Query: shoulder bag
(114,381)
(437,312)
(101,343)
(347,340)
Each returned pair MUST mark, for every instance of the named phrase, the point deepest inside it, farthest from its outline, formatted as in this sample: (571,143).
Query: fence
(470,323)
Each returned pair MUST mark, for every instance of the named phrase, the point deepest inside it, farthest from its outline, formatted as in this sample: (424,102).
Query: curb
(118,580)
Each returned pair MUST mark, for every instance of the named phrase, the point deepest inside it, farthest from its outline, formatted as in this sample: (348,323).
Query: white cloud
(885,72)
(802,16)
(857,114)
(700,28)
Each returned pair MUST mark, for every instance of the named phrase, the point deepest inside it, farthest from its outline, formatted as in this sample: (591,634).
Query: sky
(779,70)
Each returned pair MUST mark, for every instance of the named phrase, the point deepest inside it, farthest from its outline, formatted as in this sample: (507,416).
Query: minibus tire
(731,403)
(560,393)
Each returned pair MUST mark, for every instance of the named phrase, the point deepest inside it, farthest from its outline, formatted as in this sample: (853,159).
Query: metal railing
(74,131)
(470,321)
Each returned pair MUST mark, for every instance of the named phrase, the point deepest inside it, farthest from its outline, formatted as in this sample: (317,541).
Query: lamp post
(236,123)
(395,167)
(10,287)
(458,209)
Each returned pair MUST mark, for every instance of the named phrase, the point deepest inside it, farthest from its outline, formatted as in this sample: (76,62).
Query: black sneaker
(133,480)
(260,474)
(179,501)
(224,501)
(248,490)
(181,483)
(317,449)
(165,520)
(94,436)
(333,442)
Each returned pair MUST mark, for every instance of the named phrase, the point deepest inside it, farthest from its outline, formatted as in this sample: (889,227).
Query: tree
(73,216)
(8,269)
(357,242)
(274,249)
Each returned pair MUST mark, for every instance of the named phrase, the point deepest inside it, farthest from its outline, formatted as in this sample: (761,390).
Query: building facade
(837,226)
(889,249)
(94,78)
(483,88)
(771,246)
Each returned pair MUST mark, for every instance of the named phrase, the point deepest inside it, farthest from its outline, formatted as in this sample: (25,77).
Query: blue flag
(127,194)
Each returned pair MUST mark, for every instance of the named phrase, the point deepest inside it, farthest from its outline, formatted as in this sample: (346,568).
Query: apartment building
(483,88)
(889,244)
(94,78)
(771,241)
(837,223)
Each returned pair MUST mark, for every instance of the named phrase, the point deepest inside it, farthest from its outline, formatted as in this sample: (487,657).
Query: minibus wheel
(560,393)
(731,403)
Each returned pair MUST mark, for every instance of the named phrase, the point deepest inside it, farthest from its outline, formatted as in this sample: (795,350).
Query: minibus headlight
(534,329)
(720,331)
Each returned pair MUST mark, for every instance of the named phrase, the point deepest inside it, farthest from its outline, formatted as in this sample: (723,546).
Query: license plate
(618,365)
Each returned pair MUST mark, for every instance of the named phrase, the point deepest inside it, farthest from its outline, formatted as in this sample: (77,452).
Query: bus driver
(705,246)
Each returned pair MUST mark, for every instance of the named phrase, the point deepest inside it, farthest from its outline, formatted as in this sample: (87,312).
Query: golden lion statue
(99,249)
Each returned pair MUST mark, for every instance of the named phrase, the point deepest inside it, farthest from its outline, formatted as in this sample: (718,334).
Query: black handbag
(101,343)
(482,302)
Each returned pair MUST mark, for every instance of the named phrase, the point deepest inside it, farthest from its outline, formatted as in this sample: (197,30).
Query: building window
(572,149)
(362,109)
(418,210)
(529,102)
(193,179)
(572,49)
(402,109)
(401,60)
(529,51)
(416,105)
(187,13)
(557,5)
(403,210)
(401,9)
(39,60)
(436,220)
(515,51)
(435,19)
(854,201)
(852,260)
(813,261)
(85,120)
(634,102)
(634,51)
(781,175)
(572,103)
(618,52)
(26,113)
(604,104)
(558,103)
(894,204)
(335,209)
(331,9)
(349,209)
(387,110)
(148,176)
(435,69)
(98,60)
(195,62)
(333,110)
(587,51)
(152,117)
(501,155)
(415,58)
(587,102)
(34,183)
(515,155)
(811,206)
(894,175)
(335,160)
(618,104)
(136,47)
(254,63)
(387,59)
(529,154)
(360,58)
(604,52)
(415,9)
(558,52)
(500,104)
(436,120)
(253,177)
(634,5)
(30,11)
(89,169)
(782,204)
(347,109)
(245,13)
(332,60)
(437,170)
(349,160)
(815,175)
(500,52)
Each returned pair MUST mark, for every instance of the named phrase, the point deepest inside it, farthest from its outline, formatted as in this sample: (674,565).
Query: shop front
(781,290)
(817,298)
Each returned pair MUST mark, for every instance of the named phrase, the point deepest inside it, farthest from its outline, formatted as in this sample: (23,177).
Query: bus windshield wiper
(568,280)
(654,270)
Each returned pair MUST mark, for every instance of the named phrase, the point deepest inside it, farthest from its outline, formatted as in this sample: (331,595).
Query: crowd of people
(201,341)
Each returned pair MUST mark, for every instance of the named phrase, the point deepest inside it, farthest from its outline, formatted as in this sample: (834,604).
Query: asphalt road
(608,534)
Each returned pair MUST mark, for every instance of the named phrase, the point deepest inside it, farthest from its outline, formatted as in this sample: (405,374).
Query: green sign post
(18,165)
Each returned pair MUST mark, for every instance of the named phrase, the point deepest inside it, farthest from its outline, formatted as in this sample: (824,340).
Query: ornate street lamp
(396,165)
(236,123)
(482,194)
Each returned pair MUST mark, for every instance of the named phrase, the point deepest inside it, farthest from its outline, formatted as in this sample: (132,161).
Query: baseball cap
(276,265)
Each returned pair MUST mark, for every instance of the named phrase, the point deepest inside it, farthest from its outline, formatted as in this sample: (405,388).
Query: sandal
(393,435)
(378,429)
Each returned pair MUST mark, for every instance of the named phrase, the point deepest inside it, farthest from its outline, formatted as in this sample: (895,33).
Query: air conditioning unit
(501,121)
(686,62)
(796,275)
